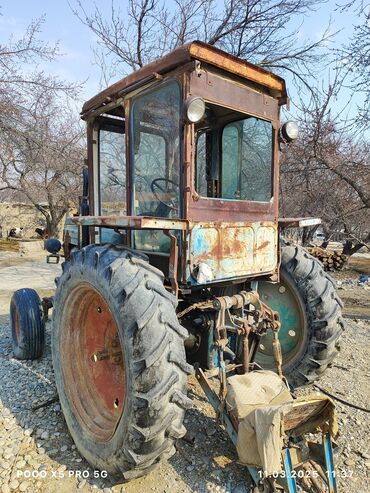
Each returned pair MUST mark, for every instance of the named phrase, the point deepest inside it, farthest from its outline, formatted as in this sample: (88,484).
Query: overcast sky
(76,41)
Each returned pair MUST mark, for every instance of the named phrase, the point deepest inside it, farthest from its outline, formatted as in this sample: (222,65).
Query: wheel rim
(284,298)
(92,362)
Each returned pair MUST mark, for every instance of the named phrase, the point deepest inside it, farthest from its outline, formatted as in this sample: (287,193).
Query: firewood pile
(331,259)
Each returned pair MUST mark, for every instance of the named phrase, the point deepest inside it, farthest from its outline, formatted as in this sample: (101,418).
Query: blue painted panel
(227,251)
(72,230)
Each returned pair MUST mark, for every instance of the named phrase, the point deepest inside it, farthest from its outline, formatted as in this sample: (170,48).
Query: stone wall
(19,215)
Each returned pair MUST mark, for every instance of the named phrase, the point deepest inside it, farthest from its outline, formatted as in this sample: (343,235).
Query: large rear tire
(310,312)
(119,360)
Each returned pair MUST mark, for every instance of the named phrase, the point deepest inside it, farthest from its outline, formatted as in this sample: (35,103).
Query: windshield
(156,151)
(247,160)
(234,156)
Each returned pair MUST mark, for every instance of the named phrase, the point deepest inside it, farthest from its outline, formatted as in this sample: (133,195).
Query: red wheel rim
(92,362)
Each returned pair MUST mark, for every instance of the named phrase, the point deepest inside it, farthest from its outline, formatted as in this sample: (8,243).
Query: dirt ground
(35,441)
(356,297)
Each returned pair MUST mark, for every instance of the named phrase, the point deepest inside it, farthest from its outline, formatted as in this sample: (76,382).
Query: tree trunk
(349,249)
(53,227)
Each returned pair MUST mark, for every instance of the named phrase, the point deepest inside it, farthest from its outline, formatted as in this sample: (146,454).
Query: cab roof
(195,50)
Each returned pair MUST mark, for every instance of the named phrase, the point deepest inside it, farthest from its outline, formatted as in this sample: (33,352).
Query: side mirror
(289,131)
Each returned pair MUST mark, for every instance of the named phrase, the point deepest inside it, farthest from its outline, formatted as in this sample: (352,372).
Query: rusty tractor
(176,263)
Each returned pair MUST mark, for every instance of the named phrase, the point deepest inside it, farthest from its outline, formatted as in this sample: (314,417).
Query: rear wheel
(119,360)
(310,313)
(27,324)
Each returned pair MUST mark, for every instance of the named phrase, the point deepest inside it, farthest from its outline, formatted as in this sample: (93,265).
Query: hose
(339,399)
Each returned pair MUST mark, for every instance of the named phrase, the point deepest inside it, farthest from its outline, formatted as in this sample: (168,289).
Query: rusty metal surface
(132,222)
(233,249)
(231,93)
(173,262)
(237,66)
(182,55)
(228,249)
(217,209)
(91,360)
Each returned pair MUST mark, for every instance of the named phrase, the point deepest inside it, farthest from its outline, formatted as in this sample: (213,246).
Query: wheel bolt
(99,356)
(115,357)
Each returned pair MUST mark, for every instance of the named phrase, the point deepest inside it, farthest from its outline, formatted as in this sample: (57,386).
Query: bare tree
(256,30)
(355,57)
(20,73)
(40,140)
(41,157)
(326,172)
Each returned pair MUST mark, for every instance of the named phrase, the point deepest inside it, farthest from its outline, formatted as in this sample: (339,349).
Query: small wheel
(27,324)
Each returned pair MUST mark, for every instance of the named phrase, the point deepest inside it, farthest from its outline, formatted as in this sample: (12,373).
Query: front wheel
(27,324)
(119,360)
(310,314)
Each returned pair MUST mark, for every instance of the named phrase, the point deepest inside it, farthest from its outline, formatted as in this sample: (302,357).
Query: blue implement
(288,467)
(329,462)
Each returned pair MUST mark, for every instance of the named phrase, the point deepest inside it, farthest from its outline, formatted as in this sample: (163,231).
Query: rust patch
(232,250)
(263,245)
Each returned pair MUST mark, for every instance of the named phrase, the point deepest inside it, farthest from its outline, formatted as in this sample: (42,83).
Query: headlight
(52,245)
(289,131)
(195,108)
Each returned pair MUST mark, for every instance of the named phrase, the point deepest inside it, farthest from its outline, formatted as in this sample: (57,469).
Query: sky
(76,40)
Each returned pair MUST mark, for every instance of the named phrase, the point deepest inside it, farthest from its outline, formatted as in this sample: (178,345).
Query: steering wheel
(156,188)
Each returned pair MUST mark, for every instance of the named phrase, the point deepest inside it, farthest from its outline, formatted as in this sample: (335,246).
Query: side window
(150,161)
(112,173)
(247,160)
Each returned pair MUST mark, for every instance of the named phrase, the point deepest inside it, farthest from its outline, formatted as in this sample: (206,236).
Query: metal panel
(71,230)
(232,249)
(132,222)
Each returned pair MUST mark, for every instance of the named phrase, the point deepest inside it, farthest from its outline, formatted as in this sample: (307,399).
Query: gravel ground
(38,455)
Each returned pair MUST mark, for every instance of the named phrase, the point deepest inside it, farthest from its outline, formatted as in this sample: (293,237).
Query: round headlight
(195,108)
(52,245)
(290,131)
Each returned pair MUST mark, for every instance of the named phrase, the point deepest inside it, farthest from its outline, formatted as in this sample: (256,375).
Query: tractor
(177,261)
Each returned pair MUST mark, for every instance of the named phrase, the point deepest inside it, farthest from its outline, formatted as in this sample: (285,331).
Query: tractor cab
(183,165)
